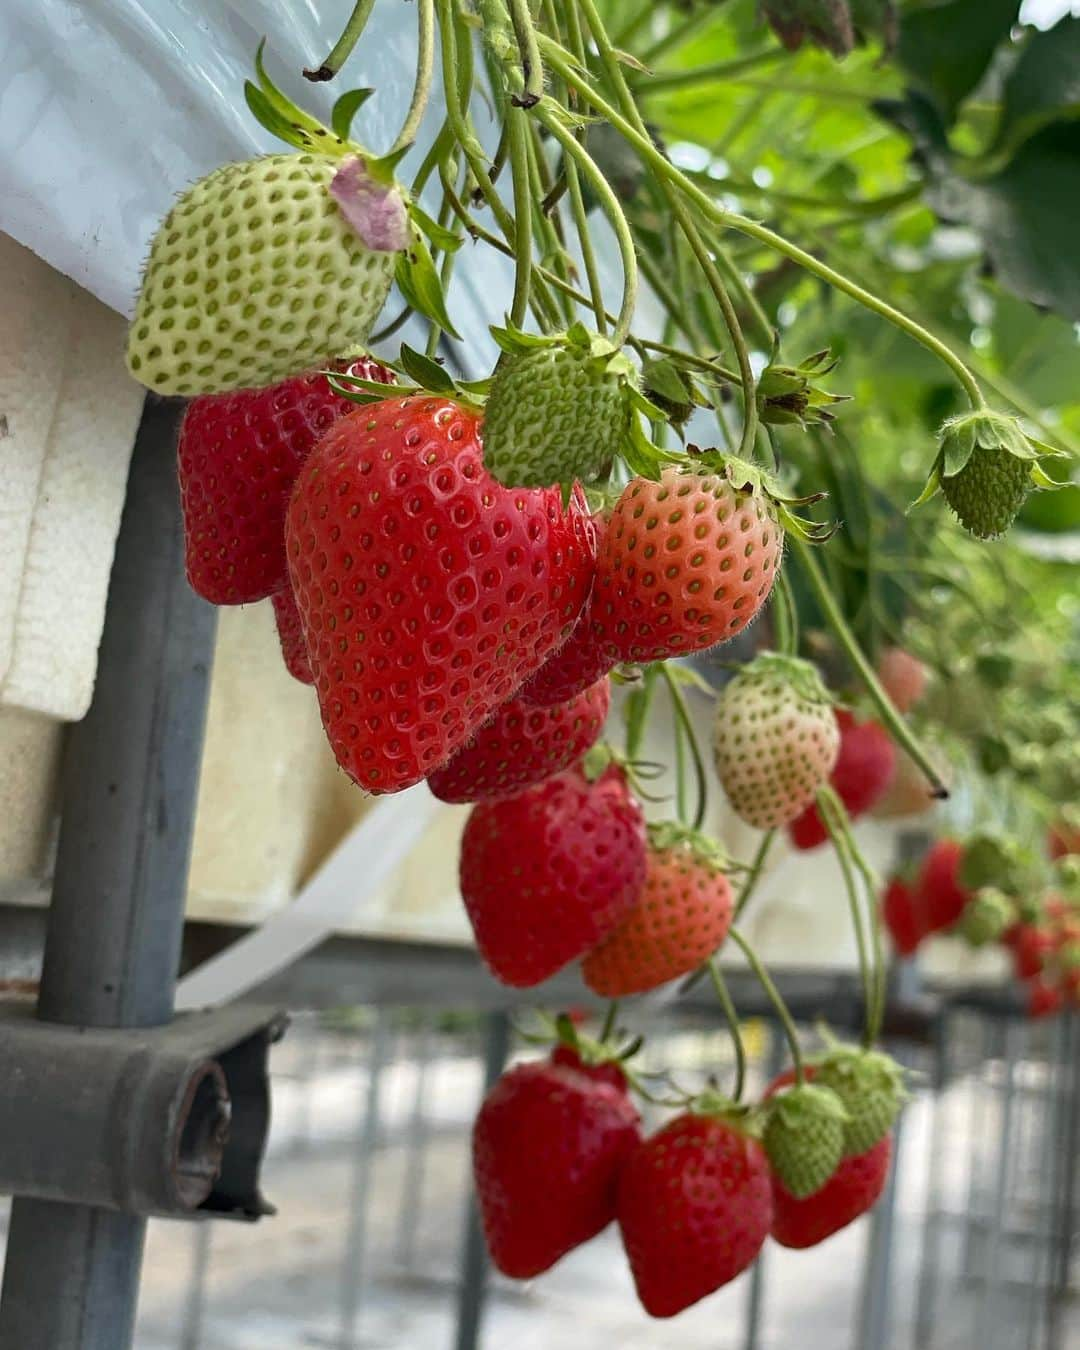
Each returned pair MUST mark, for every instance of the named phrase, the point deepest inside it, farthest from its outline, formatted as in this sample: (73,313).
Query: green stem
(787,640)
(835,824)
(774,997)
(531,66)
(895,723)
(731,1017)
(724,218)
(680,33)
(705,364)
(519,169)
(577,201)
(342,49)
(871,888)
(682,713)
(717,72)
(425,67)
(609,1020)
(749,885)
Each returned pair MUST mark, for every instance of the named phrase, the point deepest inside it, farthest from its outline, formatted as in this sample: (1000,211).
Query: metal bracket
(151,1121)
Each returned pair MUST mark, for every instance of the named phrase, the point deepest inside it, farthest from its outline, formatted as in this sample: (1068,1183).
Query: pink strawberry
(291,636)
(903,677)
(549,873)
(522,745)
(694,1209)
(427,592)
(548,1146)
(685,562)
(238,457)
(863,772)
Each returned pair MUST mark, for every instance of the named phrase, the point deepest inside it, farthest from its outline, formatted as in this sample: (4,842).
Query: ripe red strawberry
(549,873)
(902,912)
(864,769)
(853,1188)
(1044,999)
(942,895)
(694,1209)
(1030,947)
(903,676)
(604,1071)
(685,562)
(238,456)
(522,745)
(775,739)
(682,915)
(428,593)
(578,663)
(291,636)
(548,1145)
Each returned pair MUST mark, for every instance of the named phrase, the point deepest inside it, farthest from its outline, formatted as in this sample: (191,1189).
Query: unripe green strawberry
(255,275)
(870,1085)
(557,411)
(804,1137)
(775,739)
(986,916)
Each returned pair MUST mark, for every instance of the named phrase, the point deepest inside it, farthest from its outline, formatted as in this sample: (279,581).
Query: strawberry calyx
(747,1118)
(749,480)
(986,916)
(803,676)
(787,396)
(666,835)
(611,1048)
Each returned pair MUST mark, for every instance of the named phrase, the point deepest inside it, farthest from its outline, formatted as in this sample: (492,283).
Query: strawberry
(685,562)
(942,895)
(775,739)
(603,1071)
(870,1085)
(428,593)
(549,873)
(291,636)
(1063,839)
(522,745)
(694,1209)
(578,663)
(909,794)
(902,914)
(548,1146)
(862,774)
(804,1137)
(237,457)
(986,916)
(1030,947)
(903,677)
(255,275)
(853,1188)
(1044,999)
(558,409)
(682,916)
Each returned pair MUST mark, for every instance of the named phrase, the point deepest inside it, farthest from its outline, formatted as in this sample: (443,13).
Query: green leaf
(439,235)
(345,109)
(268,117)
(284,105)
(1043,86)
(946,48)
(420,284)
(428,374)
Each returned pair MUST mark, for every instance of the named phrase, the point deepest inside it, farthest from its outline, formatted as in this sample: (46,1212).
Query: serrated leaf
(427,373)
(438,234)
(420,284)
(345,109)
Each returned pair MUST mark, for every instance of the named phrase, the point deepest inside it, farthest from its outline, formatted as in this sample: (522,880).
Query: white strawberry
(775,739)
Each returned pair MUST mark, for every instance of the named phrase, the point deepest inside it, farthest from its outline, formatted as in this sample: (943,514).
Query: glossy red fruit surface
(291,636)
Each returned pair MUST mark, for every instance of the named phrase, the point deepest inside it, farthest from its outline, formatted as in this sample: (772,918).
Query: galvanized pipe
(115,925)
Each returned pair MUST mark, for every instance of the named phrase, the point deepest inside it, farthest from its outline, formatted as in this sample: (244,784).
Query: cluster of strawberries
(558,1154)
(977,890)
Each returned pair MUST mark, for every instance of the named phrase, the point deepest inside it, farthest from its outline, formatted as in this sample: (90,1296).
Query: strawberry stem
(756,869)
(425,67)
(519,170)
(609,1021)
(683,719)
(343,48)
(775,998)
(835,820)
(732,1019)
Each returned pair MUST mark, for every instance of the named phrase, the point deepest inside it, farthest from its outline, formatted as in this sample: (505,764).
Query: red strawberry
(854,1187)
(238,457)
(428,593)
(605,1071)
(864,769)
(684,563)
(291,636)
(694,1209)
(903,676)
(548,1146)
(578,663)
(521,746)
(1030,947)
(1044,999)
(902,913)
(942,896)
(547,874)
(682,916)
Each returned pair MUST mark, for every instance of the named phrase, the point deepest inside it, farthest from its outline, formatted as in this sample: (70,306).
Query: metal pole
(1065,1229)
(988,1316)
(756,1297)
(875,1309)
(412,1194)
(930,1260)
(115,925)
(191,1330)
(474,1265)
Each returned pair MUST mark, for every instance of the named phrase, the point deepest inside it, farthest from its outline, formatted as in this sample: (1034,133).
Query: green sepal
(382,167)
(362,391)
(933,486)
(345,109)
(439,235)
(284,119)
(420,285)
(672,834)
(427,373)
(512,340)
